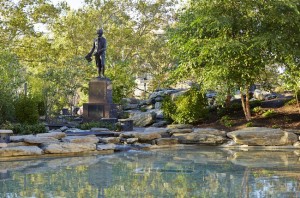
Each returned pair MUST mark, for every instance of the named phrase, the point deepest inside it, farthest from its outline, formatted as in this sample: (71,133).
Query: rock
(143,119)
(19,138)
(296,144)
(162,131)
(128,134)
(55,130)
(103,147)
(297,132)
(64,128)
(132,140)
(159,113)
(99,129)
(156,94)
(40,140)
(160,124)
(177,94)
(108,140)
(65,147)
(20,151)
(129,101)
(122,147)
(158,105)
(75,130)
(261,136)
(130,106)
(172,131)
(90,139)
(166,141)
(210,131)
(142,146)
(158,99)
(14,144)
(144,137)
(3,145)
(180,126)
(198,138)
(56,135)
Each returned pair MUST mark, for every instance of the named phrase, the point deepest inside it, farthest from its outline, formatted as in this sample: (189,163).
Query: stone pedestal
(100,103)
(5,135)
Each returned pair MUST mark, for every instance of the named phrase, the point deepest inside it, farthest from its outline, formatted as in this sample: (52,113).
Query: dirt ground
(285,117)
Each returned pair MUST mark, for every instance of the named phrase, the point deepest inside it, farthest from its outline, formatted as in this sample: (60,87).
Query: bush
(249,124)
(188,108)
(258,110)
(291,102)
(89,125)
(226,121)
(26,110)
(269,113)
(24,129)
(168,108)
(7,110)
(255,103)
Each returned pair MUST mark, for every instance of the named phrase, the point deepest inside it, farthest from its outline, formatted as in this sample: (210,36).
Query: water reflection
(197,172)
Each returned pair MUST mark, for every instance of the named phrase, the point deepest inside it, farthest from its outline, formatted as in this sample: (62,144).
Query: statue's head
(100,32)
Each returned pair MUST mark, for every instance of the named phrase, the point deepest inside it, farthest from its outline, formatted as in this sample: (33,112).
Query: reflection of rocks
(260,136)
(72,161)
(263,158)
(20,151)
(65,147)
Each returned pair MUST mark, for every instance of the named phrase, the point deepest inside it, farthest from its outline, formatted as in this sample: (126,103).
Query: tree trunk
(296,96)
(228,97)
(245,103)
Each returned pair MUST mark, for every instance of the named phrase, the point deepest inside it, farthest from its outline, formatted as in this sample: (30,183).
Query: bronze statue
(98,50)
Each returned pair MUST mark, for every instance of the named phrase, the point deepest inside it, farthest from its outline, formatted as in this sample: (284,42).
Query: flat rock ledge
(173,136)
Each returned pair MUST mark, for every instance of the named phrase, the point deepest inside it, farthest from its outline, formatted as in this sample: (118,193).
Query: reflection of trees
(149,174)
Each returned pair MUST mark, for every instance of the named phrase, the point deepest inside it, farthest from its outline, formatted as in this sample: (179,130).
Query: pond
(189,172)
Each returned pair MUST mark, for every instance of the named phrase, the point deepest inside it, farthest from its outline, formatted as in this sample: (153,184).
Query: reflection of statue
(98,49)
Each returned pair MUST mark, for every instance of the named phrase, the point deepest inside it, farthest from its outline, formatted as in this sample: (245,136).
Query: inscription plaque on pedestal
(100,103)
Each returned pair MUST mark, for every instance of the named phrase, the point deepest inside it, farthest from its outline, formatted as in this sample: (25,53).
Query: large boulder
(210,131)
(172,131)
(198,138)
(20,151)
(105,147)
(261,136)
(143,119)
(164,132)
(110,140)
(65,147)
(90,139)
(40,140)
(143,136)
(19,138)
(56,135)
(166,141)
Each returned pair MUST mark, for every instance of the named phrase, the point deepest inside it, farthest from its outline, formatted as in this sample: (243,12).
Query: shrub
(168,108)
(255,103)
(89,125)
(258,110)
(291,102)
(7,111)
(226,121)
(269,113)
(249,124)
(24,129)
(26,110)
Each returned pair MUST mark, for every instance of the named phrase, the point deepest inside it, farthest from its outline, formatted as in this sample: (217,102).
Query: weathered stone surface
(160,124)
(261,136)
(210,131)
(4,131)
(144,137)
(162,131)
(20,151)
(40,140)
(14,144)
(108,140)
(119,147)
(64,128)
(99,129)
(132,140)
(56,135)
(19,138)
(143,119)
(158,105)
(103,147)
(3,145)
(180,126)
(75,130)
(197,138)
(142,146)
(65,147)
(128,134)
(91,139)
(166,141)
(297,132)
(159,113)
(172,131)
(130,106)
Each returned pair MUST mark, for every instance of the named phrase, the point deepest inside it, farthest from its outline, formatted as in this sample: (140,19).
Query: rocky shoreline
(62,143)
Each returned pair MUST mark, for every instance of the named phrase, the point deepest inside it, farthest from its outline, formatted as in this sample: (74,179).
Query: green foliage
(26,110)
(258,110)
(226,121)
(89,125)
(7,112)
(249,124)
(269,113)
(168,107)
(190,107)
(24,129)
(291,102)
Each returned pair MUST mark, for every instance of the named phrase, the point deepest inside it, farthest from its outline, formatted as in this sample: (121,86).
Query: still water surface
(197,172)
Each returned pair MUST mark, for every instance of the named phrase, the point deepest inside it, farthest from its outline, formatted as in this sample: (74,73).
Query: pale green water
(200,172)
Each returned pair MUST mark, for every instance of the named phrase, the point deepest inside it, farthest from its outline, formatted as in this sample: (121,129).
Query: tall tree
(231,42)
